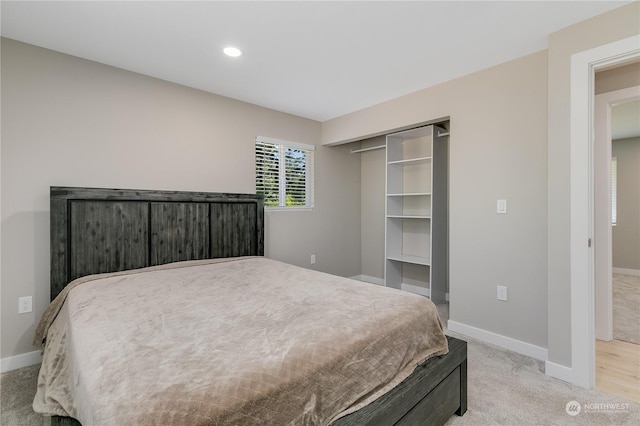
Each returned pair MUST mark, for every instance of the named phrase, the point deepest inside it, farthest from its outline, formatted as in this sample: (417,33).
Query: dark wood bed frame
(96,230)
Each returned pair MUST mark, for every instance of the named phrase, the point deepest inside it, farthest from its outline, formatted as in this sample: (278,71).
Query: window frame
(282,146)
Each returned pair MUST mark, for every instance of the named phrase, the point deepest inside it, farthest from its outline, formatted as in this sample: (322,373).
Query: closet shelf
(406,258)
(409,194)
(403,216)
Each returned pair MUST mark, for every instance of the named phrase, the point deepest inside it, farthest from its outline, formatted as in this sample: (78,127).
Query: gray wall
(69,121)
(372,178)
(606,28)
(498,149)
(626,233)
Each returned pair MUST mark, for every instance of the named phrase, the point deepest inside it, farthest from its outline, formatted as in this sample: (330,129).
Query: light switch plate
(502,206)
(502,293)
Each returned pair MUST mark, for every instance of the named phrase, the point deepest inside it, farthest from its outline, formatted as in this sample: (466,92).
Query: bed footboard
(430,396)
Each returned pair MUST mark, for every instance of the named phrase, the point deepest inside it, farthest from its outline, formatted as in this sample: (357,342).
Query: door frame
(583,67)
(602,204)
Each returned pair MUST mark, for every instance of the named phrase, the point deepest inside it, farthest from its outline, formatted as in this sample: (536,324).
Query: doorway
(617,233)
(619,107)
(583,67)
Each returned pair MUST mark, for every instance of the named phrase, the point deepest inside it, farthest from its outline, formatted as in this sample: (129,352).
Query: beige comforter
(235,341)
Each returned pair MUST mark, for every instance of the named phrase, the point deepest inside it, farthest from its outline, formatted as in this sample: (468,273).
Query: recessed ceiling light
(232,51)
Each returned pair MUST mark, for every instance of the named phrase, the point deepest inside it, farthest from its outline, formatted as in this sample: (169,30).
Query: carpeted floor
(505,388)
(626,308)
(17,389)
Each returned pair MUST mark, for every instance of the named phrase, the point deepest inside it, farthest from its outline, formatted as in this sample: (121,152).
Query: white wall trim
(20,361)
(583,67)
(504,342)
(368,279)
(558,371)
(634,272)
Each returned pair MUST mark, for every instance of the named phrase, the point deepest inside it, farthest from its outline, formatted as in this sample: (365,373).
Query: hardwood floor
(618,369)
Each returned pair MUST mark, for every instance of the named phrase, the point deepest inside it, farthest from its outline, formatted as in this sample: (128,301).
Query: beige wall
(606,28)
(626,233)
(68,121)
(498,149)
(617,78)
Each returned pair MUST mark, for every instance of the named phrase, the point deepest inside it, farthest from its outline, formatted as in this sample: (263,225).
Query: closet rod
(443,134)
(355,151)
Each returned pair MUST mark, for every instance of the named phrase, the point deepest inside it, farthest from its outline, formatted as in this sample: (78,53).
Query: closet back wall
(372,170)
(69,121)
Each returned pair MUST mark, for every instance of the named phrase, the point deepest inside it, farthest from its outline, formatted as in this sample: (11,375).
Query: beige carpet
(505,388)
(626,308)
(17,389)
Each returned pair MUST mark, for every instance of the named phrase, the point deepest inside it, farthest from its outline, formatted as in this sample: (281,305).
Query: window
(284,173)
(614,190)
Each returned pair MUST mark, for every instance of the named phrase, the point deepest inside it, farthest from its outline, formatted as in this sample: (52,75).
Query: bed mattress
(229,341)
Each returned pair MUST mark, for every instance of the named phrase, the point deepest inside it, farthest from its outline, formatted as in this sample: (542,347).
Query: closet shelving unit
(416,223)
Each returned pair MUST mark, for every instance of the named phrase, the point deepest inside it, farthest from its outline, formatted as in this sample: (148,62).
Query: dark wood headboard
(95,230)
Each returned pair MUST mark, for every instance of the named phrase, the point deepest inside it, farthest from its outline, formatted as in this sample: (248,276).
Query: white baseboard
(368,279)
(504,342)
(20,361)
(558,371)
(634,272)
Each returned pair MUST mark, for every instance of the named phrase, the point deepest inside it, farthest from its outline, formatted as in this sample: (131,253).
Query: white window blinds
(284,173)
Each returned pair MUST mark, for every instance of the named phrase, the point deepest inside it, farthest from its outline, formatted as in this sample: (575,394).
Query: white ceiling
(313,59)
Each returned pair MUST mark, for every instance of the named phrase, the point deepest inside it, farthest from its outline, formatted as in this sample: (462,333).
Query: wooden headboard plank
(95,230)
(192,242)
(112,236)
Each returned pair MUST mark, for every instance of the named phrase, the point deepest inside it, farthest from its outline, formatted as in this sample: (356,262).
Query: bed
(114,251)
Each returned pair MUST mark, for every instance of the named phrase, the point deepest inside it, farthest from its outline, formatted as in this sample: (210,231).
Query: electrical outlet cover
(25,305)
